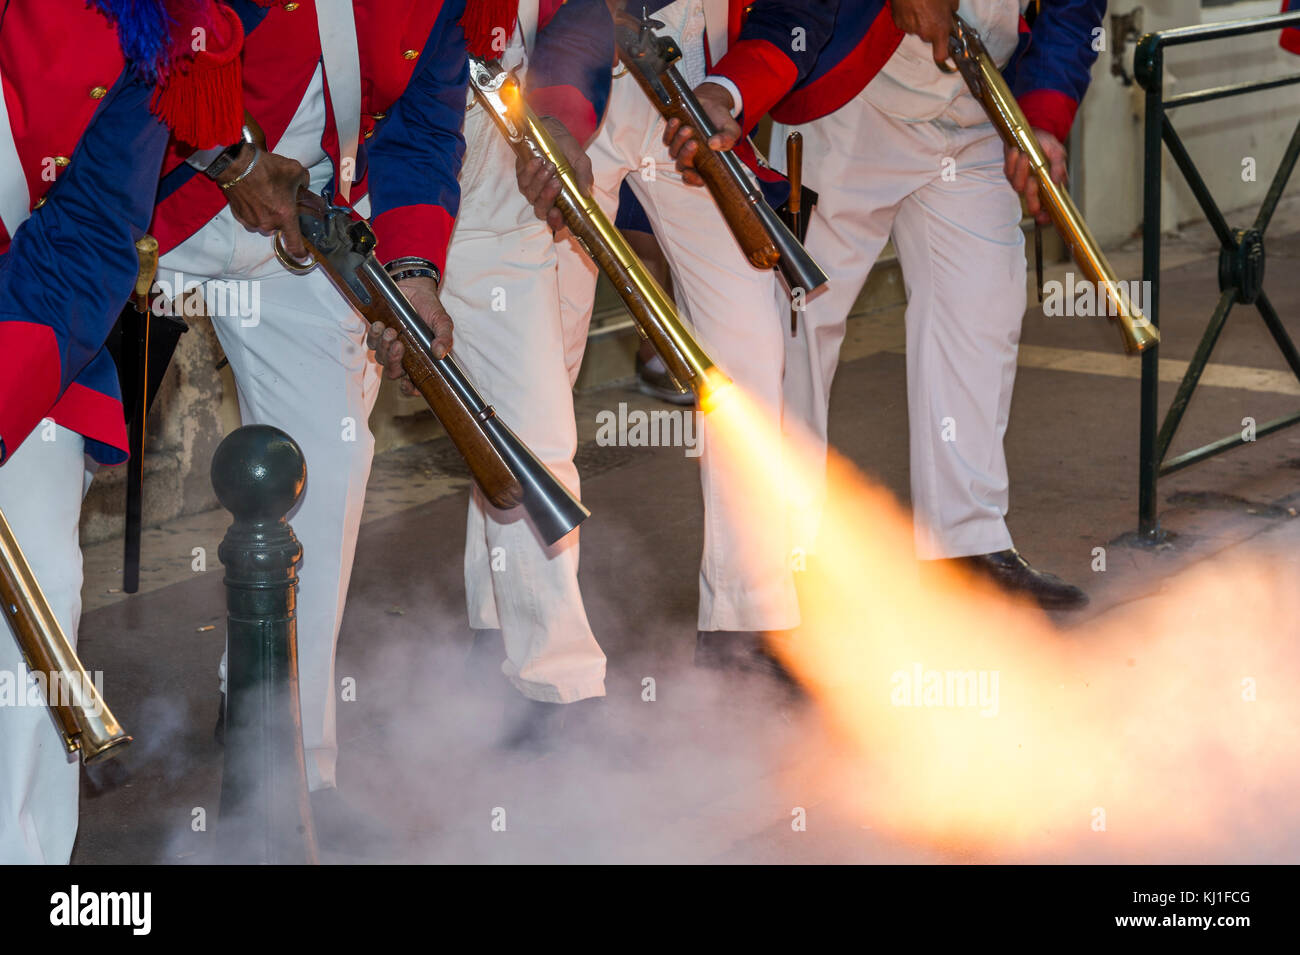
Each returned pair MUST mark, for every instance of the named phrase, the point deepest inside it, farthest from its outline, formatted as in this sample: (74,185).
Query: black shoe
(659,384)
(533,726)
(342,828)
(743,651)
(219,731)
(1012,573)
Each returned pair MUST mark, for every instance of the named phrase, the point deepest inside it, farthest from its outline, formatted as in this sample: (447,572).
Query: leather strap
(716,26)
(528,16)
(338,45)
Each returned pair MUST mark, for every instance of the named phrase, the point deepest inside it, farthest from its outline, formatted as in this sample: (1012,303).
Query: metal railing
(1241,253)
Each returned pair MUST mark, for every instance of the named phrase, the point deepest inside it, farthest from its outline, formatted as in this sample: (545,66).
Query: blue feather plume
(143,30)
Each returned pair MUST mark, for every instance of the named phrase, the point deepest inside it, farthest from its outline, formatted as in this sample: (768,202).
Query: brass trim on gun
(85,722)
(653,312)
(990,89)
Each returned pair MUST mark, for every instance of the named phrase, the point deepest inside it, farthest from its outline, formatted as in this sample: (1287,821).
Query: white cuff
(731,88)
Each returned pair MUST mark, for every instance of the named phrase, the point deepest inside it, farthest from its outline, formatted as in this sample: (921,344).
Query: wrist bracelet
(408,261)
(412,267)
(213,162)
(418,273)
(257,154)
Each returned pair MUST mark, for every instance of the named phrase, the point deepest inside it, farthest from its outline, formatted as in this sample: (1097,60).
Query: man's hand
(423,295)
(1020,174)
(683,141)
(931,20)
(266,200)
(540,183)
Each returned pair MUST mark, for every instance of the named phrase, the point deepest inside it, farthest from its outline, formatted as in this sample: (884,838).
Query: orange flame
(1169,729)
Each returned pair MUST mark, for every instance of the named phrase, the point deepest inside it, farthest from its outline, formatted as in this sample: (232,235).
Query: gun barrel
(988,86)
(765,239)
(652,310)
(85,721)
(503,467)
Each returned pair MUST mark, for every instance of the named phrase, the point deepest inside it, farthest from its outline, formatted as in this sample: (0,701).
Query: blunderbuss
(84,720)
(765,239)
(990,89)
(503,467)
(652,311)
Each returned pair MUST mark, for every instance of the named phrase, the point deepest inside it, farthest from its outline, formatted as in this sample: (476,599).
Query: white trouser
(301,365)
(41,488)
(523,352)
(956,227)
(746,581)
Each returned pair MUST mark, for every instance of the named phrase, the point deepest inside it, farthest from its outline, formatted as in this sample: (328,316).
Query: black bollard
(258,472)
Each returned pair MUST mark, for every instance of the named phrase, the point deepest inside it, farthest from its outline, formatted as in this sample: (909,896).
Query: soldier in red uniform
(90,93)
(502,284)
(905,152)
(740,59)
(363,102)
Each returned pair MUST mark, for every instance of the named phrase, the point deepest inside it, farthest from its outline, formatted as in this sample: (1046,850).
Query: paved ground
(711,769)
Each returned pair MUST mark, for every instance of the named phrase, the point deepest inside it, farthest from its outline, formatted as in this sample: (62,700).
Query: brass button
(40,202)
(62,161)
(369,133)
(379,116)
(99,92)
(411,54)
(290,7)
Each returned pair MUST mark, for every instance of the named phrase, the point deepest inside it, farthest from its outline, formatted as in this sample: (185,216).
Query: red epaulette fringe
(489,25)
(201,99)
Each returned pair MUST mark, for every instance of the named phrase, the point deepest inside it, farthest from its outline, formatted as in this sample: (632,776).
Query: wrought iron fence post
(1241,255)
(1149,68)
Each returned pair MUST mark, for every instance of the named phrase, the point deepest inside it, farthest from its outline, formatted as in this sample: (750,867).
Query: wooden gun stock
(507,473)
(728,191)
(452,408)
(763,237)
